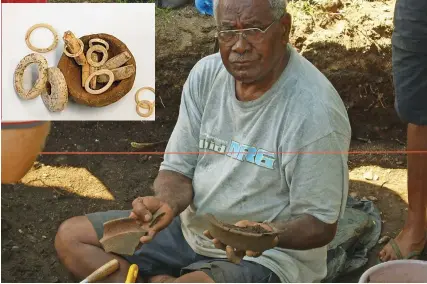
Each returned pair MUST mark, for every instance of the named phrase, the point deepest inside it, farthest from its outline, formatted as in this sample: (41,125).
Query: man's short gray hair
(278,7)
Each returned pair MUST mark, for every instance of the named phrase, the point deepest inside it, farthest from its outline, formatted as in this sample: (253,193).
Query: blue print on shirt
(241,152)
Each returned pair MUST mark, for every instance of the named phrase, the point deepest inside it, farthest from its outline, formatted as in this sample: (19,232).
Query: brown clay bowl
(73,74)
(239,239)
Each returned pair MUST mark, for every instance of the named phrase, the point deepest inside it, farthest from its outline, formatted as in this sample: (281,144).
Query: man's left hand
(235,255)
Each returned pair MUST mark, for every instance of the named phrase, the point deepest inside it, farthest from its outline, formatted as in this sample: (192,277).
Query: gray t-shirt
(278,177)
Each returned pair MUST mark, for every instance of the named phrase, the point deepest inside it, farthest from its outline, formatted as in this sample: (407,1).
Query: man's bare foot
(406,245)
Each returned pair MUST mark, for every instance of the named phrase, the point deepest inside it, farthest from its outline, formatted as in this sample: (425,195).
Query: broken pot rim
(120,220)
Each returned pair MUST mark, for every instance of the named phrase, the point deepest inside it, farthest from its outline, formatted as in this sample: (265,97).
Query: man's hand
(234,255)
(143,210)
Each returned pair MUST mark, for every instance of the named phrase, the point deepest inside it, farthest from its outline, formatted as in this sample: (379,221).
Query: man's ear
(286,22)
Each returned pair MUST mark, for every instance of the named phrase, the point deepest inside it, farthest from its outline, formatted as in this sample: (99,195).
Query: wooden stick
(102,272)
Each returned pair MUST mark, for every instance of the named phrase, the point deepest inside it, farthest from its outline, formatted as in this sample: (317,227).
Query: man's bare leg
(80,252)
(193,277)
(413,236)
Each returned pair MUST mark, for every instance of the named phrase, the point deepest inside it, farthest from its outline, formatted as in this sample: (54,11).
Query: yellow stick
(132,274)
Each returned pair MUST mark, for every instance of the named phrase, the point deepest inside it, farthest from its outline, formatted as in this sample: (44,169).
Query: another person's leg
(412,239)
(410,79)
(417,172)
(21,143)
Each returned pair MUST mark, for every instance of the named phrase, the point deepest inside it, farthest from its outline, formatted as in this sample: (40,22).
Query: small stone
(383,240)
(44,237)
(32,239)
(331,5)
(60,159)
(399,163)
(376,177)
(368,175)
(149,157)
(372,198)
(353,194)
(96,140)
(364,198)
(20,231)
(37,165)
(15,248)
(45,175)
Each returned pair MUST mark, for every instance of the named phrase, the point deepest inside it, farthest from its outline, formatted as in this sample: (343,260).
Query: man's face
(250,60)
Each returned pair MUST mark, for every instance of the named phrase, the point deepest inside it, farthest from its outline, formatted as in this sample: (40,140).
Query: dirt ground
(352,48)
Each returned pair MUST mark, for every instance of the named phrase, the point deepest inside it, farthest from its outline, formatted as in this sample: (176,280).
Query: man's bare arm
(304,233)
(175,189)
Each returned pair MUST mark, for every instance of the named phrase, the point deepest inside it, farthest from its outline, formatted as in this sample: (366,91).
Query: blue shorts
(169,254)
(409,57)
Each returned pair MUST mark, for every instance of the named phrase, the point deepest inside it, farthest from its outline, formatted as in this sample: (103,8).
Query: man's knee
(75,231)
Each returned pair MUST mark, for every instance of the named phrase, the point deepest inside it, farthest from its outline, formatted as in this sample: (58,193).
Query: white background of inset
(132,23)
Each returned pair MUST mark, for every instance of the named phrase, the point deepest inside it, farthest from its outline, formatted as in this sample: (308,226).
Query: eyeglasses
(252,35)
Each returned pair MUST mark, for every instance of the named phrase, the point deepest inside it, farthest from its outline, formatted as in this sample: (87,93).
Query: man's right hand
(143,210)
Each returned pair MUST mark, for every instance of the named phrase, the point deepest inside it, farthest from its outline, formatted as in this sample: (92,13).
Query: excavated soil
(352,48)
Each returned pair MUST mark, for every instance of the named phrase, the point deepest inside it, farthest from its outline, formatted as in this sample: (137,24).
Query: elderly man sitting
(263,136)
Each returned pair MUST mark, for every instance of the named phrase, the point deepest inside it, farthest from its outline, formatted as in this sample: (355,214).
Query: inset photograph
(78,61)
